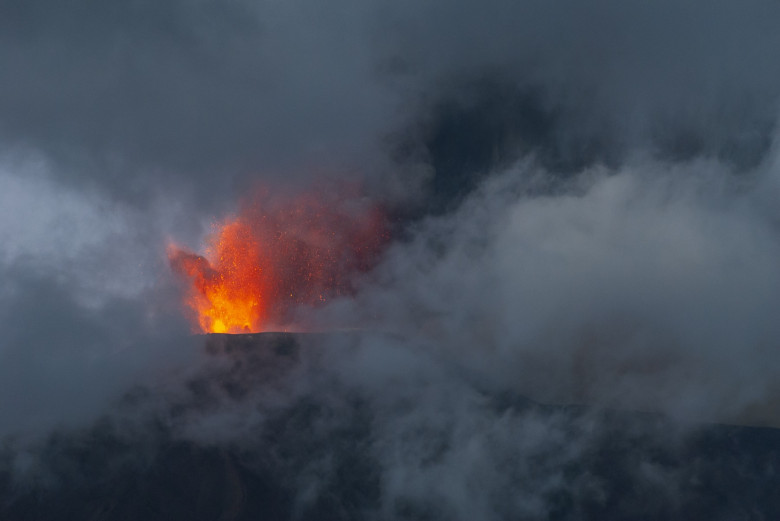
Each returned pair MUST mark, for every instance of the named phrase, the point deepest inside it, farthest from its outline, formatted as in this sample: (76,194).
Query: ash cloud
(582,197)
(650,288)
(194,96)
(582,85)
(84,313)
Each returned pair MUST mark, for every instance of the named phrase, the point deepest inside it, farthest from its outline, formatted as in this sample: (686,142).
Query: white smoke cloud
(649,287)
(85,313)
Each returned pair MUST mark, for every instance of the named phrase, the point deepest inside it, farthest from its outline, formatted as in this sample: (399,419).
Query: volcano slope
(354,426)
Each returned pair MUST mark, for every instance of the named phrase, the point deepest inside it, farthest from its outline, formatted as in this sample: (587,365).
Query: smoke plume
(581,212)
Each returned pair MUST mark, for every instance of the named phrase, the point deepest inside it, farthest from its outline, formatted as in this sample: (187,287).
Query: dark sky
(586,192)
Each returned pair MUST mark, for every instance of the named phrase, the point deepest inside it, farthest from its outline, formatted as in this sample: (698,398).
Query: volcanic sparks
(275,255)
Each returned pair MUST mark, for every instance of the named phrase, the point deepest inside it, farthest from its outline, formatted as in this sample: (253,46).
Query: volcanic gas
(276,254)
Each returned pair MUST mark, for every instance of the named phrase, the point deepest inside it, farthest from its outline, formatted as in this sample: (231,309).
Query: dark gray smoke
(582,199)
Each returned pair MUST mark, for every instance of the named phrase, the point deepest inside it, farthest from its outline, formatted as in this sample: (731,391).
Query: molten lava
(275,255)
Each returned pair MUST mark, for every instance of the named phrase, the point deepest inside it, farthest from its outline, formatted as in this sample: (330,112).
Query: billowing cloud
(582,206)
(651,287)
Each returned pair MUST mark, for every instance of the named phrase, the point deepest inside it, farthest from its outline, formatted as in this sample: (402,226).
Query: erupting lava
(276,254)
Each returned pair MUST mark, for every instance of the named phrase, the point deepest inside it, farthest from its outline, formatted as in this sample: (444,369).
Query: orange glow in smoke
(277,254)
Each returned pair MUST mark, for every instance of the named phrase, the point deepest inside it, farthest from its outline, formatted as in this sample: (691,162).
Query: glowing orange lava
(278,253)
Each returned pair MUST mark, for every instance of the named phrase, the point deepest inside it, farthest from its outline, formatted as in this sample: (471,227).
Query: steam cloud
(583,198)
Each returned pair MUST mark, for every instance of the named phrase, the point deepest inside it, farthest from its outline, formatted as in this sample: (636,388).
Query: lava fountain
(277,254)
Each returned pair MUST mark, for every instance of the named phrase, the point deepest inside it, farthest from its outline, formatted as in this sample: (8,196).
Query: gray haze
(653,287)
(583,197)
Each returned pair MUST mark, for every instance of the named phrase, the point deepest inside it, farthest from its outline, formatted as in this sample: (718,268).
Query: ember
(278,253)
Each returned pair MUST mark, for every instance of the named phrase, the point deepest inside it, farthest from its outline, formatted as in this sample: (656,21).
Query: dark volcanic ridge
(284,426)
